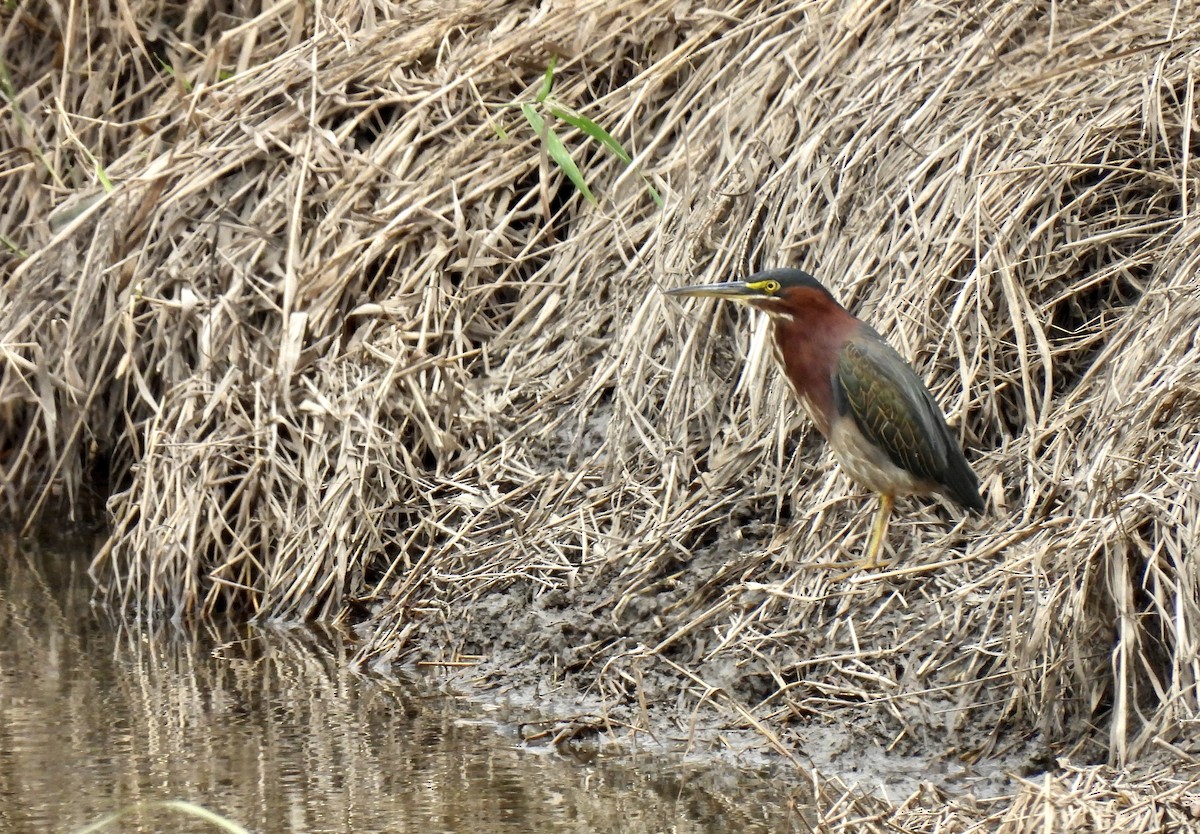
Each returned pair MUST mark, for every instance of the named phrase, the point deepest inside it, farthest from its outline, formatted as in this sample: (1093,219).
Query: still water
(270,728)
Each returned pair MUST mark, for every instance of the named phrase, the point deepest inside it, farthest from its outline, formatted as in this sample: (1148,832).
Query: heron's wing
(892,407)
(895,411)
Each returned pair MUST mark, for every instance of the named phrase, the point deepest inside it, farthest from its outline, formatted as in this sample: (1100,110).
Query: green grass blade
(547,80)
(654,195)
(605,138)
(170,70)
(557,150)
(102,175)
(11,246)
(534,118)
(9,94)
(6,85)
(593,130)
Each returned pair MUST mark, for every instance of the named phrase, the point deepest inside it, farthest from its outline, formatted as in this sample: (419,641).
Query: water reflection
(269,727)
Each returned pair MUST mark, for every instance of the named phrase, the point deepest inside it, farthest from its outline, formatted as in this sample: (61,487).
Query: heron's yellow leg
(874,543)
(878,532)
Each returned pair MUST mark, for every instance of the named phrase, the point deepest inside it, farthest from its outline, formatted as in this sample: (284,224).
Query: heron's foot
(829,565)
(856,567)
(860,567)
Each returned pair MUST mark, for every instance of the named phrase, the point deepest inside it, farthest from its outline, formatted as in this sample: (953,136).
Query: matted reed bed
(302,292)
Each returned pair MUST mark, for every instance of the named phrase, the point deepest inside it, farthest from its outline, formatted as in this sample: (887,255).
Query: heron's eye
(771,287)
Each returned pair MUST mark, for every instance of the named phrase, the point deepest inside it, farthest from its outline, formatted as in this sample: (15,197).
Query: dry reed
(346,345)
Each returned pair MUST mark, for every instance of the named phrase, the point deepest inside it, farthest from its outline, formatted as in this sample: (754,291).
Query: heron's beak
(734,290)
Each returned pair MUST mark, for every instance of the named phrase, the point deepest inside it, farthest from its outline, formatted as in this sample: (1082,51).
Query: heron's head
(774,291)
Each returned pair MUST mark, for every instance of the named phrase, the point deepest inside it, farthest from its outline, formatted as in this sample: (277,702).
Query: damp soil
(549,653)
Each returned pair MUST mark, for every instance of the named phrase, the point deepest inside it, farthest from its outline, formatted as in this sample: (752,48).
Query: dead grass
(333,349)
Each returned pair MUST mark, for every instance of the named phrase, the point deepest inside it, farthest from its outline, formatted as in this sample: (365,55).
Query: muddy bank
(532,663)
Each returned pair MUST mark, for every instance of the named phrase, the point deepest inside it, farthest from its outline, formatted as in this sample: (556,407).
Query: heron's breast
(807,352)
(868,465)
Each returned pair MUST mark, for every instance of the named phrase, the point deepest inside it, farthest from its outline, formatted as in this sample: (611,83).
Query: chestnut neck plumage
(810,328)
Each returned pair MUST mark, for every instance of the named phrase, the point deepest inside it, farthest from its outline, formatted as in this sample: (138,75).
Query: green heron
(879,419)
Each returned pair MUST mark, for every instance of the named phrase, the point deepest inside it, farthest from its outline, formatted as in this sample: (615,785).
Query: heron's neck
(808,342)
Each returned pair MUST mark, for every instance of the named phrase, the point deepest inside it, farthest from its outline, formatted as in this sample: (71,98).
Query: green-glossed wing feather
(894,410)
